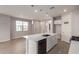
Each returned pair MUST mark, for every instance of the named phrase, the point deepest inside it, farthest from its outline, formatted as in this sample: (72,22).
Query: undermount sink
(45,35)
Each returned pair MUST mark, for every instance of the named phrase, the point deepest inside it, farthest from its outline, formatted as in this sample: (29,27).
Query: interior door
(66,29)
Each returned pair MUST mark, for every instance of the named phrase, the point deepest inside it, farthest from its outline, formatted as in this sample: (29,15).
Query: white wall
(43,26)
(36,27)
(4,28)
(75,23)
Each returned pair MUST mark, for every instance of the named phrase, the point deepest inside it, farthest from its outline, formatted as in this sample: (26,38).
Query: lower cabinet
(42,46)
(51,42)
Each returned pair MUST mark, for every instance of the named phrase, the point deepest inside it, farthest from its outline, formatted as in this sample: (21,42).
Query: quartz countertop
(74,47)
(37,37)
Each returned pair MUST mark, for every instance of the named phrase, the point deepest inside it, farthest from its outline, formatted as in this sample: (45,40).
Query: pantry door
(66,29)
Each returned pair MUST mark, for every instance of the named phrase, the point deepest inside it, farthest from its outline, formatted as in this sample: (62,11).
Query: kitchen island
(32,42)
(74,47)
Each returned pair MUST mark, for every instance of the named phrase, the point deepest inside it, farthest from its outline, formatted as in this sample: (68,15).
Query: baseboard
(16,38)
(5,40)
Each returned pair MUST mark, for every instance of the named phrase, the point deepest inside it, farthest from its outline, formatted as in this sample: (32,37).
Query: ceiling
(36,12)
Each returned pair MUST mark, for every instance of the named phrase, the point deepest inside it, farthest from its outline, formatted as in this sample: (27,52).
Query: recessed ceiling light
(36,10)
(65,10)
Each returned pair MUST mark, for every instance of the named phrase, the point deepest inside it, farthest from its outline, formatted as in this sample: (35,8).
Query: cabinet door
(32,47)
(51,41)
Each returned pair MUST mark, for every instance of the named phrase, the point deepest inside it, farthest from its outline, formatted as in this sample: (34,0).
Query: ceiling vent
(41,10)
(32,5)
(51,7)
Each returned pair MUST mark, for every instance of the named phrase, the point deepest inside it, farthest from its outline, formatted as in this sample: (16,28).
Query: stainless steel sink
(45,35)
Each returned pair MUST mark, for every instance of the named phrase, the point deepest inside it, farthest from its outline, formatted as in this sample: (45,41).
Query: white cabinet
(51,41)
(32,47)
(74,47)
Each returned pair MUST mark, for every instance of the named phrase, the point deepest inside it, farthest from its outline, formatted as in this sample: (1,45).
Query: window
(21,26)
(18,25)
(25,26)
